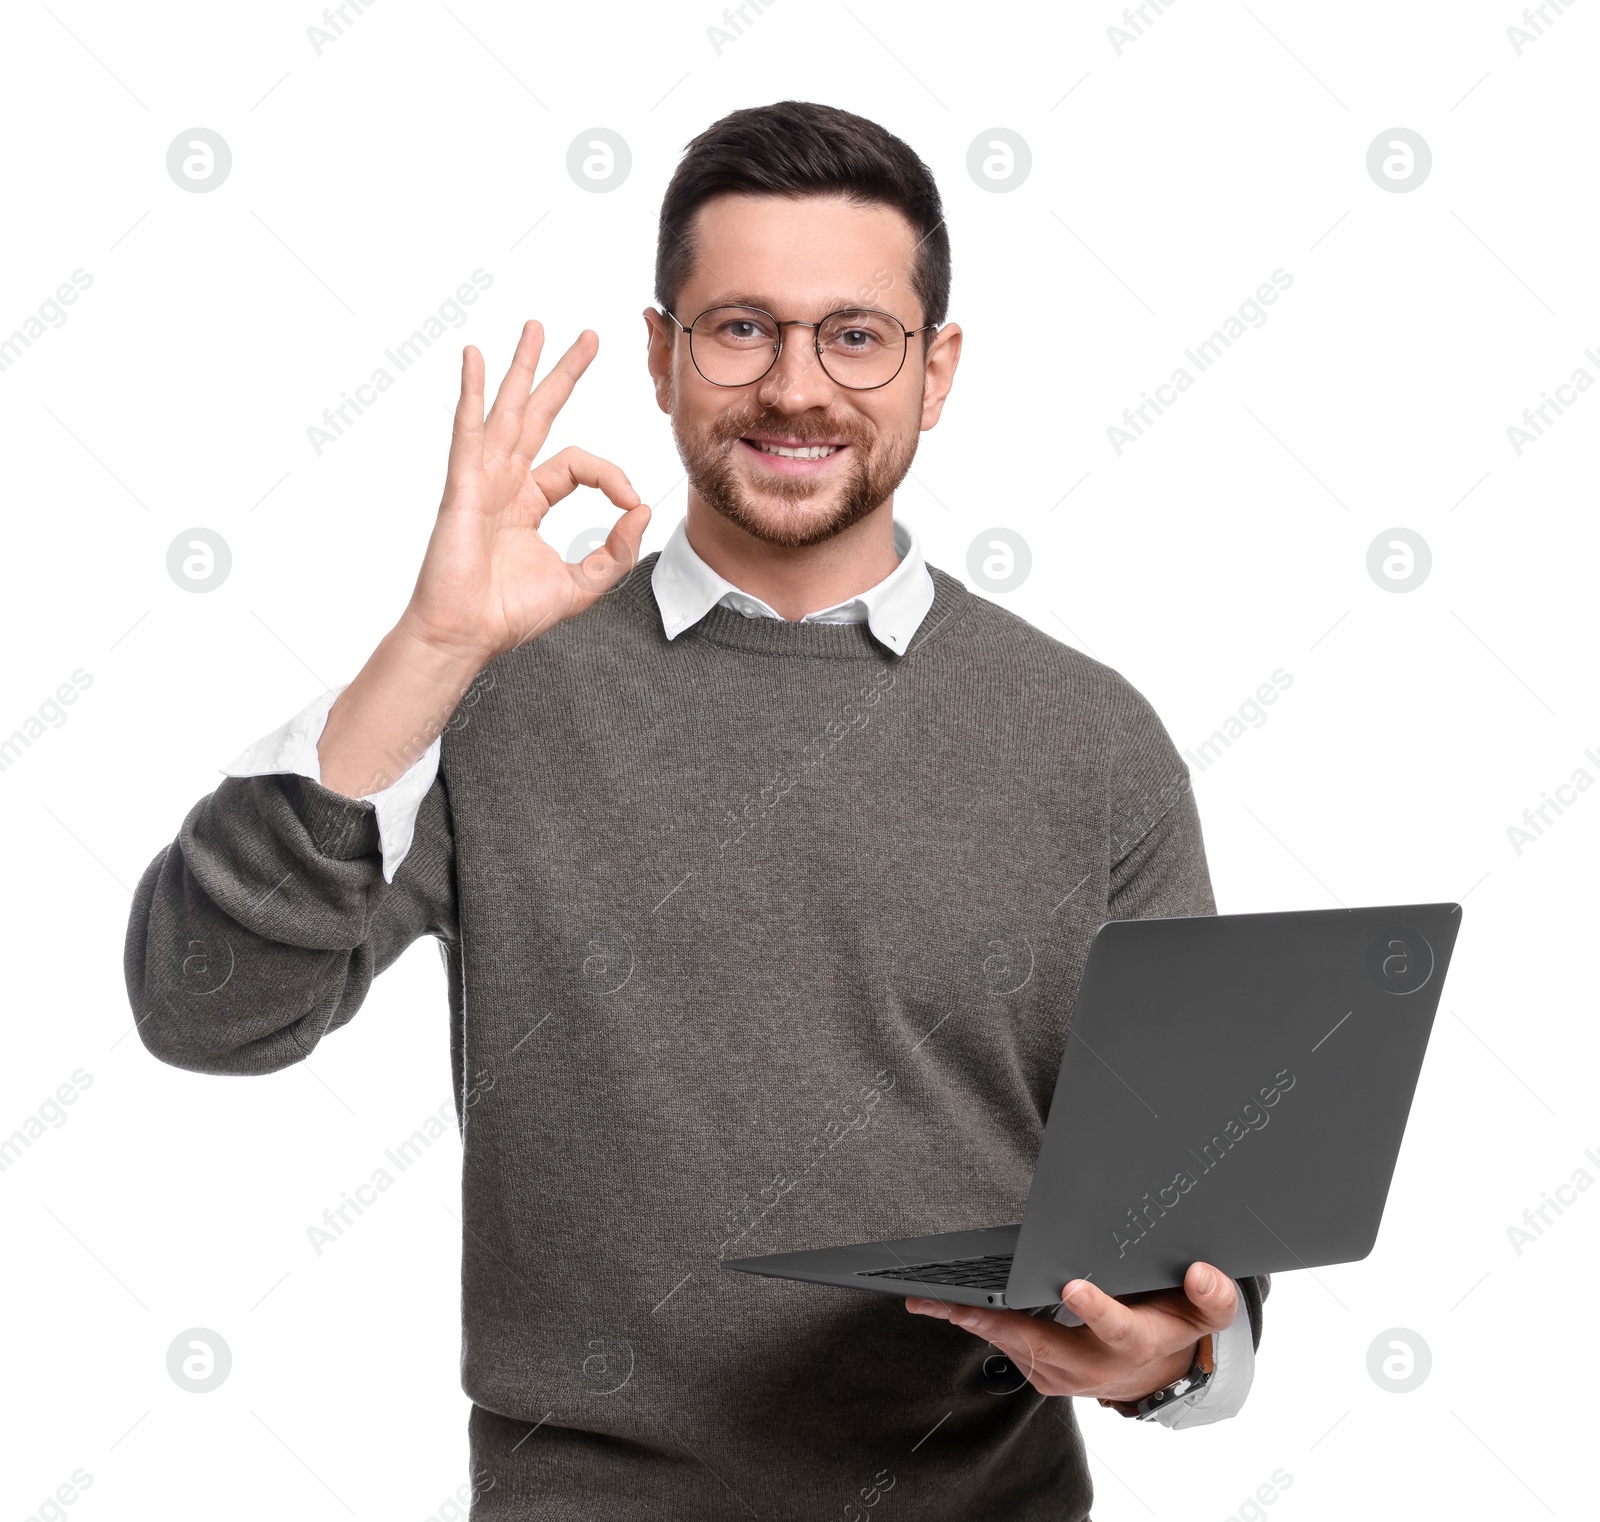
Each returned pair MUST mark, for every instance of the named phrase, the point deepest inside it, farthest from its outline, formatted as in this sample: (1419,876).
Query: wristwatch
(1191,1383)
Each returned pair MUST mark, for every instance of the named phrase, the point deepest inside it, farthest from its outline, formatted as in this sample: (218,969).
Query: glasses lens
(862,349)
(733,346)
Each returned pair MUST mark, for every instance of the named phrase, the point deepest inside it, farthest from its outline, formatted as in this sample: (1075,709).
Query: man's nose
(797,382)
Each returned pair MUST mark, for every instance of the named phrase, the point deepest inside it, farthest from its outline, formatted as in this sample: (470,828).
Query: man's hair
(797,148)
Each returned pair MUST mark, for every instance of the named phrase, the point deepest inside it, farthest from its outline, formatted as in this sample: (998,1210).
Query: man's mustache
(728,431)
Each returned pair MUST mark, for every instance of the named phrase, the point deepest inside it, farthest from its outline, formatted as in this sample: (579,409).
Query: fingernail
(1205,1281)
(1076,1294)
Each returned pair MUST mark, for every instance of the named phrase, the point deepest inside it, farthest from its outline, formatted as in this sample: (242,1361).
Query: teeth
(811,452)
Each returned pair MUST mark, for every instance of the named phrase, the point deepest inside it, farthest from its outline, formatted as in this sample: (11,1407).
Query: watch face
(1199,1376)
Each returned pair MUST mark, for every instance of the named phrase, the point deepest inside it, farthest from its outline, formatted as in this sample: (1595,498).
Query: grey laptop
(1234,1090)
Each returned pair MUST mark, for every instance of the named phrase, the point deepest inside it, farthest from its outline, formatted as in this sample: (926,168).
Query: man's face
(799,258)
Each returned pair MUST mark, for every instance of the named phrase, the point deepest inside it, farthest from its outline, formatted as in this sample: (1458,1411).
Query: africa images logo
(1399,961)
(1252,1117)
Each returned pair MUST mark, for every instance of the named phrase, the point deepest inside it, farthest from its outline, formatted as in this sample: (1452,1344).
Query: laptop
(1234,1090)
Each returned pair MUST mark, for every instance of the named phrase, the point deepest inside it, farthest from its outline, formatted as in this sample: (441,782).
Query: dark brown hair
(797,148)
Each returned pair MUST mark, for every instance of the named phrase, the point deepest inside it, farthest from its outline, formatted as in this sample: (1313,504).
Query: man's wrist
(444,663)
(1196,1368)
(1177,1366)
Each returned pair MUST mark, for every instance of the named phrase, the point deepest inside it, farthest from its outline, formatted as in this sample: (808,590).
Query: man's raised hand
(488,581)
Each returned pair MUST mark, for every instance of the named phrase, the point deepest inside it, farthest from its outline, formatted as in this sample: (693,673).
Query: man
(725,849)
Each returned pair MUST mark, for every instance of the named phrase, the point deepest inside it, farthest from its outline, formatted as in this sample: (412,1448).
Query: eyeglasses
(857,348)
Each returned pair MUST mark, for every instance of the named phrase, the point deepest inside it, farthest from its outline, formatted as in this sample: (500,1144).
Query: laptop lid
(1233,1090)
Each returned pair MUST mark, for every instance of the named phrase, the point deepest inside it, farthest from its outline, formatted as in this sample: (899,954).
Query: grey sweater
(757,940)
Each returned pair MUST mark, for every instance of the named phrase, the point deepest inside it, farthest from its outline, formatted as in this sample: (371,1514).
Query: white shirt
(686,589)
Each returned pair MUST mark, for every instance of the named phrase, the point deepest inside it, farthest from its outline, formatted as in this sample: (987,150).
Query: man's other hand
(1125,1350)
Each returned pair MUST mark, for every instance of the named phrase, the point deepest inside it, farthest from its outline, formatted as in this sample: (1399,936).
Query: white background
(1167,182)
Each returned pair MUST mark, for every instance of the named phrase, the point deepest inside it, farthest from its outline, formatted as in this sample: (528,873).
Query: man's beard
(875,467)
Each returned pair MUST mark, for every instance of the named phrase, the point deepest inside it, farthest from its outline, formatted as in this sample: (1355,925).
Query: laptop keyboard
(969,1273)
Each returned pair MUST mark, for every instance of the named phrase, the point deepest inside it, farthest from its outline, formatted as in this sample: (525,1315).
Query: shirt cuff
(292,749)
(1224,1394)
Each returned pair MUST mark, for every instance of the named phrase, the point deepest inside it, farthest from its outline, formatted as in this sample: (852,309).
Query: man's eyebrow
(746,299)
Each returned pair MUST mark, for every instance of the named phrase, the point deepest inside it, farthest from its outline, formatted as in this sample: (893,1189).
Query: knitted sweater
(757,940)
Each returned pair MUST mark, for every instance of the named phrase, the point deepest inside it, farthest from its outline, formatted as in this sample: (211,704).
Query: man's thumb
(1213,1293)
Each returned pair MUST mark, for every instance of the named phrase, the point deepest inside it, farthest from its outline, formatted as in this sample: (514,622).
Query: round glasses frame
(816,342)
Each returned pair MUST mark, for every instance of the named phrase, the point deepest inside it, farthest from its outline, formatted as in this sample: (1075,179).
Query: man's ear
(659,356)
(939,372)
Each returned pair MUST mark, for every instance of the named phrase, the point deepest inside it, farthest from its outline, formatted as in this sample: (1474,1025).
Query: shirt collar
(686,589)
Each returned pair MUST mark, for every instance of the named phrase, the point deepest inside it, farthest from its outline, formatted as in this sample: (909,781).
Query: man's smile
(791,456)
